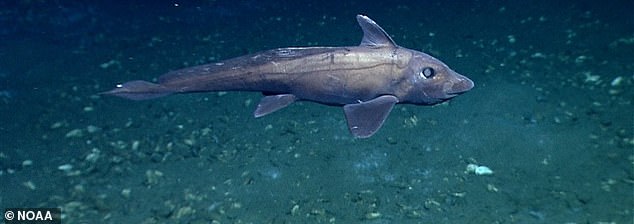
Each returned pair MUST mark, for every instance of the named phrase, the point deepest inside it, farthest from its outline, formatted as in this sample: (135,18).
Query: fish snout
(460,85)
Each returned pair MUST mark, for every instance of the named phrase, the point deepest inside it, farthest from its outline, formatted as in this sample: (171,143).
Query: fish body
(367,80)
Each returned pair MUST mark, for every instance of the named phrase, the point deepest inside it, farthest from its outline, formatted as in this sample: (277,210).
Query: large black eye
(427,72)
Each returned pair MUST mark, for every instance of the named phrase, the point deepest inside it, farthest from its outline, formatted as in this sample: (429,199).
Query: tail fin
(139,90)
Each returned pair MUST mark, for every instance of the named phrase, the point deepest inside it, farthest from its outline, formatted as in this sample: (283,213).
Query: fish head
(428,81)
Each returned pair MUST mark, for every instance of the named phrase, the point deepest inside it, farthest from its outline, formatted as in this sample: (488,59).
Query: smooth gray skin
(367,79)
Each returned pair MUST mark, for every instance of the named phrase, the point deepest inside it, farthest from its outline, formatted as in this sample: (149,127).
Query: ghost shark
(368,80)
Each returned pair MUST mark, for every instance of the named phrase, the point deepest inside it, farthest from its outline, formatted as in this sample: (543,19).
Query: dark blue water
(551,115)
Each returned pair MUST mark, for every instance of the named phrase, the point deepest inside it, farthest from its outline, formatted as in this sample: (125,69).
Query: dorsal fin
(373,34)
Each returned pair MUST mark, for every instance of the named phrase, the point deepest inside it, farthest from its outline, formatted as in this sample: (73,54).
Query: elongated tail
(139,90)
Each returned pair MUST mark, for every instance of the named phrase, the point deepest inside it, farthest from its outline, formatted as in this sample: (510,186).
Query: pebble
(135,145)
(479,170)
(27,163)
(483,170)
(126,192)
(66,167)
(29,184)
(372,215)
(92,129)
(57,125)
(75,133)
(591,78)
(153,176)
(109,63)
(93,156)
(295,210)
(616,81)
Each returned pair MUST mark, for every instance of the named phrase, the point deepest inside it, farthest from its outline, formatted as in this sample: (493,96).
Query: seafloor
(551,114)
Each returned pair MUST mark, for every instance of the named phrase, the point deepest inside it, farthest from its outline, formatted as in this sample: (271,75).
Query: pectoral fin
(270,104)
(365,118)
